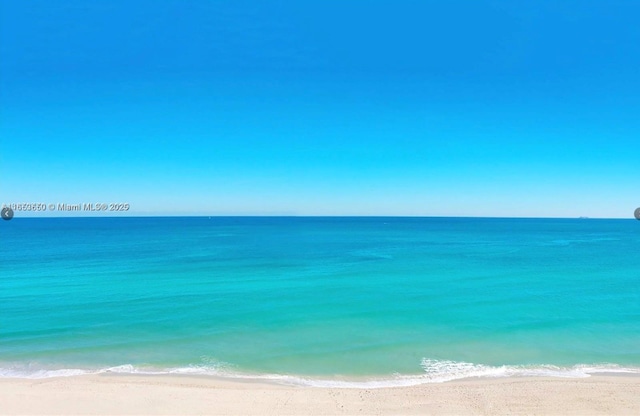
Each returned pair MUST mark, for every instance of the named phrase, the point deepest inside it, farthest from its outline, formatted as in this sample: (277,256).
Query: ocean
(322,301)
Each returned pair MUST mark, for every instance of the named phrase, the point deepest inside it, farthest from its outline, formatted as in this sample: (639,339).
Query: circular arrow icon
(6,213)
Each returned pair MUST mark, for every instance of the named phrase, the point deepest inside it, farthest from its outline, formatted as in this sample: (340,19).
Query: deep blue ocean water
(322,301)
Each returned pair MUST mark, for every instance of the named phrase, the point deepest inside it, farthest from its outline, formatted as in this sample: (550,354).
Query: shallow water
(320,300)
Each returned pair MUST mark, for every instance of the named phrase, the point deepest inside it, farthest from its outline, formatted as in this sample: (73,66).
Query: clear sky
(478,108)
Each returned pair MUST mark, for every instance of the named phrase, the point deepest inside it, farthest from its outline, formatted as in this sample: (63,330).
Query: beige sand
(130,394)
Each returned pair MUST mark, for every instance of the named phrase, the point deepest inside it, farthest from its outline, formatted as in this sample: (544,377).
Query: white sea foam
(41,373)
(435,371)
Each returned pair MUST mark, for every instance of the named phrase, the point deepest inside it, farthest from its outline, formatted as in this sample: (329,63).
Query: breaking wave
(434,371)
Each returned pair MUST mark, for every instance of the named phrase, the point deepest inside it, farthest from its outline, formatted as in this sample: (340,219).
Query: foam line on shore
(435,371)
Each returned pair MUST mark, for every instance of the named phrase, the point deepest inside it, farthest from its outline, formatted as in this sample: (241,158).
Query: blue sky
(478,108)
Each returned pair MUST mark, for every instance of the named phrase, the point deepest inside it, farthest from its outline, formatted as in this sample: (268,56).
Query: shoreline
(460,371)
(197,394)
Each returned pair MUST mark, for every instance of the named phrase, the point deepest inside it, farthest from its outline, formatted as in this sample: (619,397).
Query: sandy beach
(133,394)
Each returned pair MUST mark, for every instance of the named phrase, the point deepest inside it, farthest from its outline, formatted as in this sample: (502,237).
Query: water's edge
(435,372)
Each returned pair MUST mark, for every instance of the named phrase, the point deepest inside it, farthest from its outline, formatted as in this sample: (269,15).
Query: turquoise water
(320,300)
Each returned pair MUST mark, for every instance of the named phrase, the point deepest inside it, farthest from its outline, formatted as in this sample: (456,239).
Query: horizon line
(320,216)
